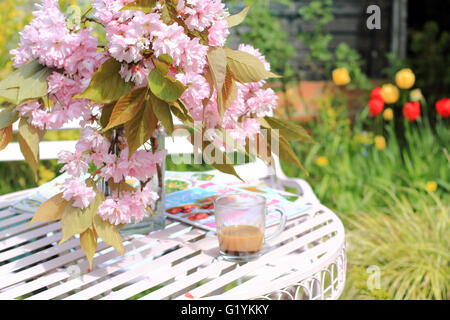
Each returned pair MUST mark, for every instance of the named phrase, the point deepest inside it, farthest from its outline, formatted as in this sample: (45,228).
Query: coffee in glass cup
(241,224)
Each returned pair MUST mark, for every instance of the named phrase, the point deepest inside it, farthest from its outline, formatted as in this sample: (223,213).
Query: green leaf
(246,67)
(127,108)
(107,85)
(288,129)
(8,116)
(88,242)
(145,6)
(161,66)
(26,83)
(50,210)
(140,129)
(29,138)
(162,112)
(108,233)
(75,220)
(5,137)
(237,19)
(217,60)
(165,88)
(166,58)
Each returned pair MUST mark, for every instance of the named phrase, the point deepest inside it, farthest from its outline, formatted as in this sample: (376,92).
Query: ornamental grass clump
(408,240)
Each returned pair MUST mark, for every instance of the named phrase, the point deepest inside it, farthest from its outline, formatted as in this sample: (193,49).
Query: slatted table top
(179,262)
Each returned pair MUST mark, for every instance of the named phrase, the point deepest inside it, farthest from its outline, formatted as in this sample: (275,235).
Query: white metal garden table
(307,261)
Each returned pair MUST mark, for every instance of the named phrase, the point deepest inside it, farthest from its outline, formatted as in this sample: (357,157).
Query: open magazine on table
(191,199)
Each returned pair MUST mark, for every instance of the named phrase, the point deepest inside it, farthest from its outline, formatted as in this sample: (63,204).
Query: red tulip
(376,107)
(411,110)
(376,94)
(443,107)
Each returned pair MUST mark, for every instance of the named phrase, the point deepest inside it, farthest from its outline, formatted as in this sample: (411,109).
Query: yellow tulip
(390,93)
(322,161)
(431,186)
(380,142)
(341,77)
(388,114)
(405,79)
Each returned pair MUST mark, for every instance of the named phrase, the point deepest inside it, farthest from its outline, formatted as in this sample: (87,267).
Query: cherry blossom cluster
(73,56)
(134,37)
(93,154)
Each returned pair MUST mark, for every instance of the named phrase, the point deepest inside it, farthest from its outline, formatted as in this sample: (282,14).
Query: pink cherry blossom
(218,33)
(78,192)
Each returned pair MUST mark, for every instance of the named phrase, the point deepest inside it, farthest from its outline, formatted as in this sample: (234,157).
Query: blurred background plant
(264,31)
(15,14)
(321,58)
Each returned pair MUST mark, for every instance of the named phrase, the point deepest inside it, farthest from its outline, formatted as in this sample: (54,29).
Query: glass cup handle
(283,220)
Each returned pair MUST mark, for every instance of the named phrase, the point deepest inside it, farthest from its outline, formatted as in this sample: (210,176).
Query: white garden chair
(310,262)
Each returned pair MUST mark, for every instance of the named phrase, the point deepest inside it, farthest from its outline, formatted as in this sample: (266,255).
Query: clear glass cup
(241,226)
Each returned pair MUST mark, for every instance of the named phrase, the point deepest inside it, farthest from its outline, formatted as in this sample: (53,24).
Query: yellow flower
(380,142)
(341,77)
(390,93)
(322,161)
(431,186)
(388,114)
(405,79)
(416,95)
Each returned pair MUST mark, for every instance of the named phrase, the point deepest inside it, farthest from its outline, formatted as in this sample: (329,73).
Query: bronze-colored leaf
(122,186)
(218,159)
(228,94)
(217,59)
(106,114)
(288,129)
(127,108)
(88,242)
(50,210)
(246,67)
(108,233)
(181,112)
(140,129)
(287,154)
(29,138)
(5,137)
(237,19)
(75,220)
